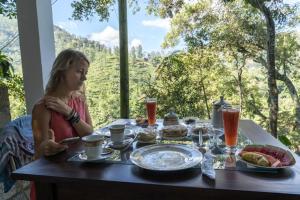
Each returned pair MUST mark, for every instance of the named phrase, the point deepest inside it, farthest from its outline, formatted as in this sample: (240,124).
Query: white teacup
(117,133)
(92,145)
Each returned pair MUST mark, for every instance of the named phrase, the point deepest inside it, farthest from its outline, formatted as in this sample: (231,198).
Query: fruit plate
(284,156)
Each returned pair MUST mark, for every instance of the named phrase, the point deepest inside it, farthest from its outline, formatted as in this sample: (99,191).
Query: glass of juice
(231,116)
(151,110)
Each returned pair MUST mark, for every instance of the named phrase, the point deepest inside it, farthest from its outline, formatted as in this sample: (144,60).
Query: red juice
(231,123)
(151,112)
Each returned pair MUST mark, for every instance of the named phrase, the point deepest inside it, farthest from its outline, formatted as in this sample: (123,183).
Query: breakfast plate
(166,157)
(266,157)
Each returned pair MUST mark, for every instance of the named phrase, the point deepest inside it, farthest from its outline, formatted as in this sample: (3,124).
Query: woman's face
(76,75)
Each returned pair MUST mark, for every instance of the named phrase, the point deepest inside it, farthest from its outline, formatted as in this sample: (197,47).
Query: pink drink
(231,122)
(151,110)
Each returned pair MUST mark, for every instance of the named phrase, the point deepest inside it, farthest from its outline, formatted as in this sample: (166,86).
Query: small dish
(147,142)
(146,136)
(173,138)
(174,132)
(120,145)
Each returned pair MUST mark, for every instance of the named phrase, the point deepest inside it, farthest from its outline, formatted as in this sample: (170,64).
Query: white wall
(36,36)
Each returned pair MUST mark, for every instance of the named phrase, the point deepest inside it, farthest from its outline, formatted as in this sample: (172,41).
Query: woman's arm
(82,127)
(44,139)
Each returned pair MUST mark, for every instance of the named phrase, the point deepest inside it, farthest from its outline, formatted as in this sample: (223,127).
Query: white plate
(166,157)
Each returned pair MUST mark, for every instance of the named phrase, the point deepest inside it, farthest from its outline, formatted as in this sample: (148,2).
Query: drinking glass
(231,115)
(216,149)
(199,133)
(151,110)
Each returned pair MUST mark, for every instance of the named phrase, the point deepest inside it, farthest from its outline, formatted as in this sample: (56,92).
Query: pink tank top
(61,127)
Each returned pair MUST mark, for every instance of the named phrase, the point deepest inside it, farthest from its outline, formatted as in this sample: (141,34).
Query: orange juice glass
(231,116)
(151,110)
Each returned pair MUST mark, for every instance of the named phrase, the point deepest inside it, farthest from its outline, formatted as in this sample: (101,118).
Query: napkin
(207,166)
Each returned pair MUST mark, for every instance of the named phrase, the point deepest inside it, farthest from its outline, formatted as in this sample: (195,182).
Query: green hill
(102,85)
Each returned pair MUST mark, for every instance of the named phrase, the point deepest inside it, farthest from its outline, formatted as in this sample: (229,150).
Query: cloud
(135,43)
(191,1)
(67,25)
(109,37)
(159,23)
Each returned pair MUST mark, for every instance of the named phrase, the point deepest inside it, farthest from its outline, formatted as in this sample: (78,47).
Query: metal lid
(220,103)
(171,115)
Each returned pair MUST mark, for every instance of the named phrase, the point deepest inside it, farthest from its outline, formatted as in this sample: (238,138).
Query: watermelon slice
(277,156)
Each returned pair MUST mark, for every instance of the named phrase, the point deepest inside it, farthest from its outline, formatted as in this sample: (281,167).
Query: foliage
(85,9)
(225,56)
(15,87)
(14,83)
(6,68)
(8,8)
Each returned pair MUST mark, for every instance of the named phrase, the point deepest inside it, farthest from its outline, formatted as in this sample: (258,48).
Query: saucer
(106,151)
(81,157)
(106,133)
(120,145)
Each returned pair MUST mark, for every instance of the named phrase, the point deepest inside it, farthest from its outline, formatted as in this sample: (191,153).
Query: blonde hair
(61,64)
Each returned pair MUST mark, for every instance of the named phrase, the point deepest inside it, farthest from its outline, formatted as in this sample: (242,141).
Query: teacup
(117,133)
(92,145)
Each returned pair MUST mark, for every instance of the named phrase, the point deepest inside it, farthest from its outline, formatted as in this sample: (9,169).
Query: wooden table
(56,178)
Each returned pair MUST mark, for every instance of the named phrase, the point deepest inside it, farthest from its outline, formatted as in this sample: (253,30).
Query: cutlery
(130,143)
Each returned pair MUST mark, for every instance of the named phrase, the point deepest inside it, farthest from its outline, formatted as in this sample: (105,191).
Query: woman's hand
(50,147)
(57,105)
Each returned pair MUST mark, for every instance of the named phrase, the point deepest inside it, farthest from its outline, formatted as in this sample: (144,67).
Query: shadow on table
(280,174)
(170,176)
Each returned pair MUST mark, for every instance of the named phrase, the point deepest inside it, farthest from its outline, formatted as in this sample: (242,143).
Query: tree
(8,8)
(272,82)
(288,66)
(6,71)
(140,51)
(86,9)
(201,24)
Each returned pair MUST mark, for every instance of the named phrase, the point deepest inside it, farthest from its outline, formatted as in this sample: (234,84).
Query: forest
(246,51)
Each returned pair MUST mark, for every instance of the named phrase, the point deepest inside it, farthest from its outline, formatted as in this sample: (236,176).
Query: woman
(62,112)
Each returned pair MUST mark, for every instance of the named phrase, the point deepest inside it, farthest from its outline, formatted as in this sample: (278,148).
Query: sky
(145,30)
